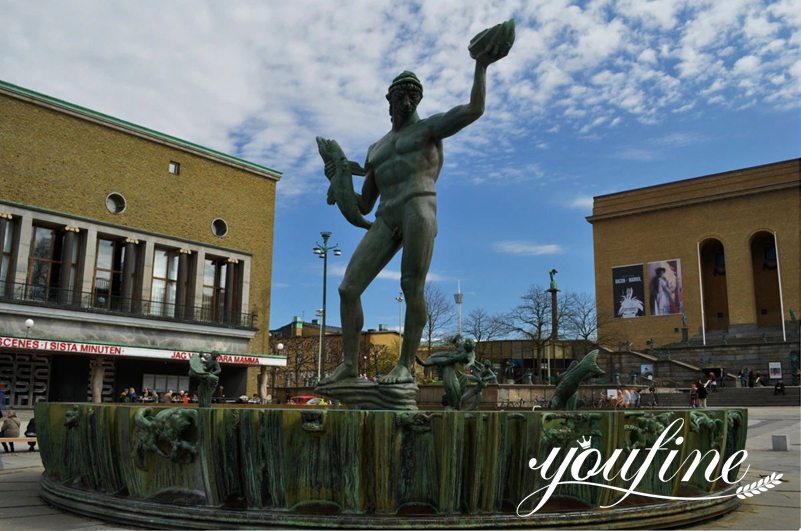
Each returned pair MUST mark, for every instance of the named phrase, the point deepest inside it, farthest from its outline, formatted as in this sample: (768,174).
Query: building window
(7,254)
(115,203)
(219,227)
(44,264)
(108,273)
(165,277)
(174,167)
(214,273)
(165,382)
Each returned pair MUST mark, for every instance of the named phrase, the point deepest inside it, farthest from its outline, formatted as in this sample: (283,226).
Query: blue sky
(594,98)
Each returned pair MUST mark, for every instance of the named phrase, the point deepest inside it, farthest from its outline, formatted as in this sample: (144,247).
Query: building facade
(124,251)
(701,263)
(300,343)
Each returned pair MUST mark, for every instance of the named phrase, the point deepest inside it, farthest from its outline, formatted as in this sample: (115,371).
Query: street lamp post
(322,252)
(399,299)
(320,313)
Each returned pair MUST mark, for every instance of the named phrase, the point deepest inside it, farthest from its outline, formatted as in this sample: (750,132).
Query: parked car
(301,400)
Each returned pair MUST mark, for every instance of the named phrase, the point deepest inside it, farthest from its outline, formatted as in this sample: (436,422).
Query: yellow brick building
(717,255)
(118,235)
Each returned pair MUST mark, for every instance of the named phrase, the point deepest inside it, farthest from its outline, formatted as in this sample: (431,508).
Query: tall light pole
(322,252)
(320,314)
(458,297)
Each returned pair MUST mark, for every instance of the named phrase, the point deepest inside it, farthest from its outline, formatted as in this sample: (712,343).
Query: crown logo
(584,442)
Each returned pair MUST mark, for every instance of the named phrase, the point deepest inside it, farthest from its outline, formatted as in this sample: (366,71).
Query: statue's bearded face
(403,103)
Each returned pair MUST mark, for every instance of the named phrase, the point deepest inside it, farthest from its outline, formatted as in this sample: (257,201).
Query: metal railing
(102,301)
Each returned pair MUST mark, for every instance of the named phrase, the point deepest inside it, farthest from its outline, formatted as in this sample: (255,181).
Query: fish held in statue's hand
(340,171)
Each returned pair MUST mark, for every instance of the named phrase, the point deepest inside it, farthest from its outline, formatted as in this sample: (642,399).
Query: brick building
(300,343)
(716,255)
(127,250)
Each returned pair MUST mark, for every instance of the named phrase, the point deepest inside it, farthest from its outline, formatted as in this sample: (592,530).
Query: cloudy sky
(595,97)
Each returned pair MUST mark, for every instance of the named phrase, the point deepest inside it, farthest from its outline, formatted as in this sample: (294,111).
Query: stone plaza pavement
(780,508)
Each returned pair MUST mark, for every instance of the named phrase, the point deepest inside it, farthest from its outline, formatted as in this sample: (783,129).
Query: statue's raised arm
(487,47)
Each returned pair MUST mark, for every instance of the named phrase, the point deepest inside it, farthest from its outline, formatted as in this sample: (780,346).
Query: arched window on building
(713,283)
(764,263)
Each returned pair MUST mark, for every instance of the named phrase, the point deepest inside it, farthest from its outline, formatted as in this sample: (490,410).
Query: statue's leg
(371,255)
(419,231)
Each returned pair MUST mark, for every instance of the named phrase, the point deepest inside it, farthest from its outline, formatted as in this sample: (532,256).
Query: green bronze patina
(459,394)
(257,467)
(564,396)
(402,169)
(205,368)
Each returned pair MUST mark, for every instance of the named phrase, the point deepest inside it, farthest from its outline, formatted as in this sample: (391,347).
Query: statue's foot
(399,375)
(343,372)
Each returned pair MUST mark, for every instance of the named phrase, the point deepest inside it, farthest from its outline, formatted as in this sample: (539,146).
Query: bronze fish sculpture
(340,171)
(564,396)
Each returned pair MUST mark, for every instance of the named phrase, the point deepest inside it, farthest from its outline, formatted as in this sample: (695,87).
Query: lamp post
(322,252)
(399,299)
(320,313)
(263,378)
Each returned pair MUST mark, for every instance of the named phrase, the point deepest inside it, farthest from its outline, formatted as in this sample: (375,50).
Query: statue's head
(404,94)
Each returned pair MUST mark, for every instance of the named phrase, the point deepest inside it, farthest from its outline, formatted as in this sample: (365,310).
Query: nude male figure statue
(402,169)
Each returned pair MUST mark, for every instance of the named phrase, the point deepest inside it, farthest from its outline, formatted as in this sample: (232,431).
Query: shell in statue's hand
(339,171)
(493,43)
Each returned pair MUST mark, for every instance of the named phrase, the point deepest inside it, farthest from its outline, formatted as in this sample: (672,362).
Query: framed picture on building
(664,287)
(775,370)
(627,291)
(646,369)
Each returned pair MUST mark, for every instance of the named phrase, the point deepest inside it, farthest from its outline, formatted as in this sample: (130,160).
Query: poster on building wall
(664,287)
(627,291)
(775,370)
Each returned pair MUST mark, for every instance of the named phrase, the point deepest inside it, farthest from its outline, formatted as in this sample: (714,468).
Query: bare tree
(482,326)
(439,311)
(580,319)
(301,356)
(377,359)
(532,320)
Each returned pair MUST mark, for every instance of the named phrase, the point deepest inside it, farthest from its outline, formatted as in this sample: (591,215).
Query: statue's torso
(405,164)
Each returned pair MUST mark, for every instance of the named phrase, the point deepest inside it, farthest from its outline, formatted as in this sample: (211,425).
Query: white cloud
(582,202)
(524,248)
(338,271)
(261,80)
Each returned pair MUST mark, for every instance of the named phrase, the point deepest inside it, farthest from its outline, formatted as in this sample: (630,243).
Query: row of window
(59,257)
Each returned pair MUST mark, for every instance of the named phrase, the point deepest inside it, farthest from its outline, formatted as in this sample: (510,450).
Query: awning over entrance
(121,351)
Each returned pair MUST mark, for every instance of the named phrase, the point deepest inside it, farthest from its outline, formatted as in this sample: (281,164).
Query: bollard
(780,443)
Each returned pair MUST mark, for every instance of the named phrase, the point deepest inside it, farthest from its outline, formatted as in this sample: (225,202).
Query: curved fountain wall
(252,466)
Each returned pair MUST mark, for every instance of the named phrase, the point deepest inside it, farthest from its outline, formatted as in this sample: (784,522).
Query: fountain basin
(255,467)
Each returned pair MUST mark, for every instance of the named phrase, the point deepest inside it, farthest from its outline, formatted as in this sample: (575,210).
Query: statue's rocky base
(255,467)
(360,393)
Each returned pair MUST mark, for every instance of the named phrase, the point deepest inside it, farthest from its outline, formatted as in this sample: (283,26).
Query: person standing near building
(703,392)
(2,398)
